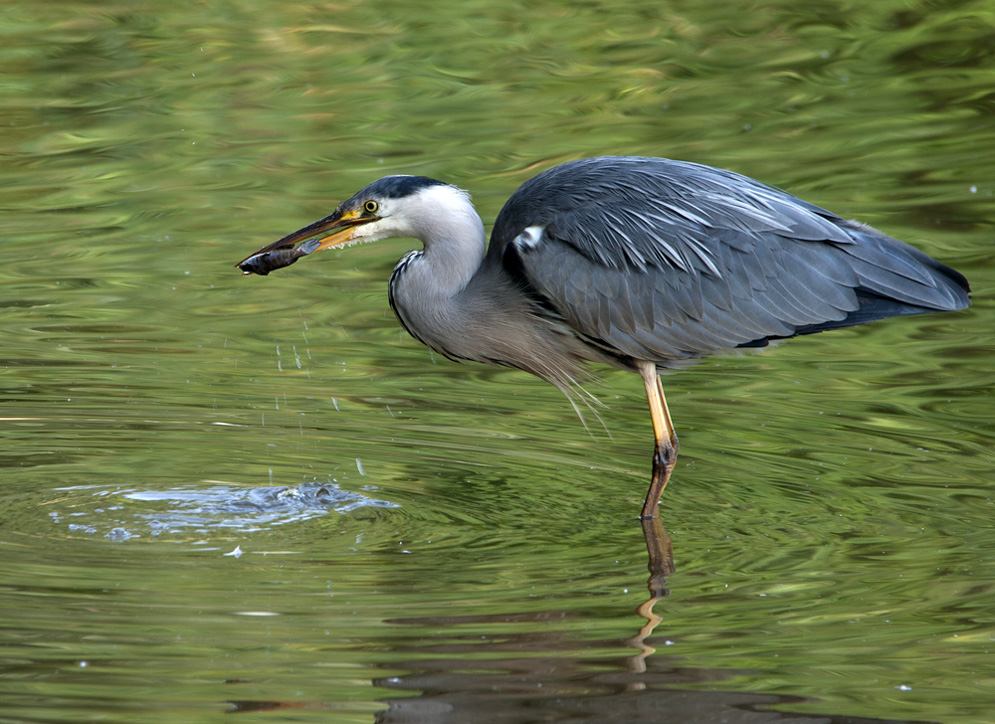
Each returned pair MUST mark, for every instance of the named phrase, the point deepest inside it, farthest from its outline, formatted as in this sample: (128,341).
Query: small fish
(263,262)
(267,261)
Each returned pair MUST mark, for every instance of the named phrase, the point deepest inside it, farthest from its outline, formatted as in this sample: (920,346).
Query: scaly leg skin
(665,452)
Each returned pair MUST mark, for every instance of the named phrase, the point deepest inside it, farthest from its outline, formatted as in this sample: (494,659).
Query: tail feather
(895,278)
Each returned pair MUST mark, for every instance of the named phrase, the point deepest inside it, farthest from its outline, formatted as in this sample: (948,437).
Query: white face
(429,212)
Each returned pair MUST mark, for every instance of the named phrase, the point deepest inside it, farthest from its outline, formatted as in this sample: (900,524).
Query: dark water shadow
(552,676)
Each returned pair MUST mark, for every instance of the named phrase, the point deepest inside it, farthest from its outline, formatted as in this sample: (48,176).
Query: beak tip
(283,252)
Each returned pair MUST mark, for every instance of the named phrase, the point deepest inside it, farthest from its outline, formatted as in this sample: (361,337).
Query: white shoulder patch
(530,238)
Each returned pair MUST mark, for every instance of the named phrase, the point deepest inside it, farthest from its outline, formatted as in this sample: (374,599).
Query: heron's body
(633,262)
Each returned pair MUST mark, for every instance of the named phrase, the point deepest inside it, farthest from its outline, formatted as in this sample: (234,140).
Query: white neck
(427,286)
(444,220)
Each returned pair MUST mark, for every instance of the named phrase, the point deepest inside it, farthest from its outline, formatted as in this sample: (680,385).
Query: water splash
(129,513)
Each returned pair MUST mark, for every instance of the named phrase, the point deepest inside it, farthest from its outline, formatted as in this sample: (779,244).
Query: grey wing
(661,260)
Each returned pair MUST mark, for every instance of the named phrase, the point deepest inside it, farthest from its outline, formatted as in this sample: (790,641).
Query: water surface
(260,496)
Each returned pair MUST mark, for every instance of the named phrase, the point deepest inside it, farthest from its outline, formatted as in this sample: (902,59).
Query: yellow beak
(283,252)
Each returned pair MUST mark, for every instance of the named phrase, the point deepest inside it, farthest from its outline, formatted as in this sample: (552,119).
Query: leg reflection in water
(517,666)
(529,673)
(660,557)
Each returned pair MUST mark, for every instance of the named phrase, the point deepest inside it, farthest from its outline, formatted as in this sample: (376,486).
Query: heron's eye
(371,207)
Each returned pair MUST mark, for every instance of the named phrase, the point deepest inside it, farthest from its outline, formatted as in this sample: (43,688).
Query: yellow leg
(665,452)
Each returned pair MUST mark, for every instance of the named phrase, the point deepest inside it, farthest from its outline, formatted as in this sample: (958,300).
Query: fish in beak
(337,228)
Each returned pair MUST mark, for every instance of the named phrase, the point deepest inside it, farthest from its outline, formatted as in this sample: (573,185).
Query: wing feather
(665,260)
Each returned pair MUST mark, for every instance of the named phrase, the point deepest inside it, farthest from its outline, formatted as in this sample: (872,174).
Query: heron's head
(394,206)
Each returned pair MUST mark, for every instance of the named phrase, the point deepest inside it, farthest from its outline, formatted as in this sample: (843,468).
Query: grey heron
(637,263)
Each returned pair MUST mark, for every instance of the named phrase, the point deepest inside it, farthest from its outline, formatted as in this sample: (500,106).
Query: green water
(424,541)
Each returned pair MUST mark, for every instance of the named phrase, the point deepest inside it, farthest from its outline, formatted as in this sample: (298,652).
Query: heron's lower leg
(665,451)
